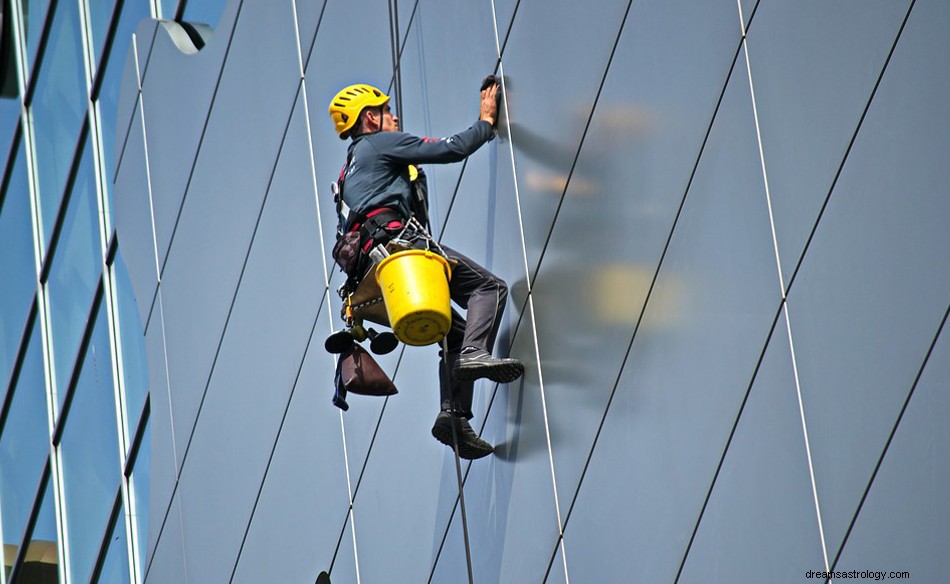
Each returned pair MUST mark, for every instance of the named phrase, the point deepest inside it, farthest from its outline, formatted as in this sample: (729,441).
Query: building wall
(724,226)
(74,412)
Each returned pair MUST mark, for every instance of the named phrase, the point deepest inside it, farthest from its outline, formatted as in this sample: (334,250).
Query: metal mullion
(46,263)
(104,544)
(11,161)
(31,521)
(110,293)
(107,44)
(76,370)
(17,365)
(31,70)
(132,518)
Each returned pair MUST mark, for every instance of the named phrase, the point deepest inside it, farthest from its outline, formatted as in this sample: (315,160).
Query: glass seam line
(651,286)
(890,438)
(204,131)
(728,444)
(847,152)
(527,272)
(270,458)
(227,320)
(781,281)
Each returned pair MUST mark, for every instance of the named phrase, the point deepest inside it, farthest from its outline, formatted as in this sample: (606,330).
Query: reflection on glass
(132,341)
(133,12)
(57,108)
(74,274)
(140,495)
(41,562)
(17,268)
(90,454)
(34,16)
(24,447)
(115,568)
(100,14)
(168,9)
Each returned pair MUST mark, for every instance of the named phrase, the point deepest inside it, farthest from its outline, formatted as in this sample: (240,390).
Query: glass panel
(903,522)
(17,266)
(74,274)
(100,15)
(132,341)
(812,84)
(140,495)
(133,12)
(90,454)
(761,513)
(115,568)
(168,9)
(34,17)
(41,565)
(708,317)
(57,109)
(24,446)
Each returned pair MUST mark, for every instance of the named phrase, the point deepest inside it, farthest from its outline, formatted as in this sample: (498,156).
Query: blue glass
(34,17)
(24,444)
(75,272)
(908,495)
(812,84)
(57,111)
(168,9)
(141,472)
(204,11)
(133,12)
(115,567)
(17,266)
(132,342)
(874,282)
(90,454)
(761,513)
(9,116)
(99,17)
(42,545)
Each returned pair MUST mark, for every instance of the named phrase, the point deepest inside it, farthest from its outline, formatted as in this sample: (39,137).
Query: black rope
(458,466)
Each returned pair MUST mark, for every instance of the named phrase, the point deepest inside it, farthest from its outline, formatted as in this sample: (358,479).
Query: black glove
(489,81)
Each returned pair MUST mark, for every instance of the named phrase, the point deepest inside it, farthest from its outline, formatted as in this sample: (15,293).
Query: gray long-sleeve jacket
(377,174)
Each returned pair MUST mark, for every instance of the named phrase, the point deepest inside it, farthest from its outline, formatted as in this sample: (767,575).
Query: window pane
(90,454)
(115,568)
(168,8)
(140,490)
(58,108)
(133,12)
(132,339)
(17,267)
(34,15)
(74,274)
(42,556)
(100,14)
(24,446)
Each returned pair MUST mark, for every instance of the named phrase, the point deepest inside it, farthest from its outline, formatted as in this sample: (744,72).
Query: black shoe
(479,364)
(471,446)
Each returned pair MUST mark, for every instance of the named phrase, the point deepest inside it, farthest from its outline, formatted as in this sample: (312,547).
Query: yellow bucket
(415,287)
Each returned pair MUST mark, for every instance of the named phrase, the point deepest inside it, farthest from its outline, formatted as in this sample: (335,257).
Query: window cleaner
(382,202)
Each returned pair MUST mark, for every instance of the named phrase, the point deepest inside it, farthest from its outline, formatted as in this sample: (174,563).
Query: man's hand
(489,106)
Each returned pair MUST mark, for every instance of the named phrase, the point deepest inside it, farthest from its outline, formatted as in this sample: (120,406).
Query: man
(381,192)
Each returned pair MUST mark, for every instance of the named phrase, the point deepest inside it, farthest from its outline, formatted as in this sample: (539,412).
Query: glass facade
(73,373)
(724,228)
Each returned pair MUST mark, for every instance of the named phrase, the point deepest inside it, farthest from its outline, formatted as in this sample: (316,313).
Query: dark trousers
(483,296)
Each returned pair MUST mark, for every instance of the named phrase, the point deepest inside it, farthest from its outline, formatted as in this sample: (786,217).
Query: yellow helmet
(345,107)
